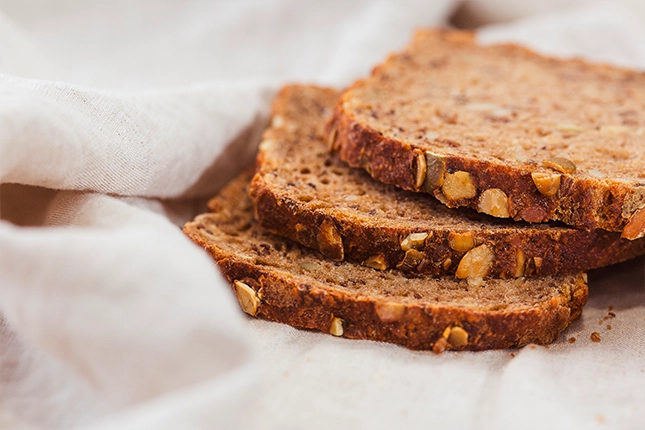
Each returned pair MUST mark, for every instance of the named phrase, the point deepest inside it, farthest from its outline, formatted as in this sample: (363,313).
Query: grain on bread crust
(302,192)
(286,282)
(501,114)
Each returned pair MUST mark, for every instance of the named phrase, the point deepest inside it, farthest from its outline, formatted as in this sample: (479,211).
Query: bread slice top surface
(300,188)
(507,104)
(506,110)
(525,311)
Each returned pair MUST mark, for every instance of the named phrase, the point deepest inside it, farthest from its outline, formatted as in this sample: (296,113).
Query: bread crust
(583,199)
(420,326)
(519,249)
(309,302)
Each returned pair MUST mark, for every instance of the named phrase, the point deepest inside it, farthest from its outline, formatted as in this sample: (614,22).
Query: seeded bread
(277,279)
(502,130)
(304,193)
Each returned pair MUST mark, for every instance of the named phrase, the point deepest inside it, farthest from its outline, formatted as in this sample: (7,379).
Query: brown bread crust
(506,113)
(375,306)
(315,306)
(300,205)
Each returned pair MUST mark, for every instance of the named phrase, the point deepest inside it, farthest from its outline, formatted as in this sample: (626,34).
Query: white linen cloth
(118,119)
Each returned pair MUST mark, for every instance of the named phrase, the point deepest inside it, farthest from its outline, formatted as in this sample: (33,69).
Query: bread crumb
(611,315)
(533,346)
(595,336)
(611,308)
(572,339)
(512,355)
(608,326)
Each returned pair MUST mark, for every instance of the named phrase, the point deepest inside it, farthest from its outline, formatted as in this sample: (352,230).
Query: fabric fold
(150,144)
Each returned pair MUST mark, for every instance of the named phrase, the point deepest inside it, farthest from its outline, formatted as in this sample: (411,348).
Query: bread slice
(502,130)
(282,281)
(308,195)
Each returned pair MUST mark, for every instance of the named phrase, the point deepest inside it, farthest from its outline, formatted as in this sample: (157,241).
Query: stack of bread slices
(451,200)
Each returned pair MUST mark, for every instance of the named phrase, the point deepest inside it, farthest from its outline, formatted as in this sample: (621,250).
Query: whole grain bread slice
(303,192)
(277,279)
(502,130)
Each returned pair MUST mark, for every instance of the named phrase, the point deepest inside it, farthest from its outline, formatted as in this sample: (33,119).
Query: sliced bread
(282,281)
(502,130)
(303,192)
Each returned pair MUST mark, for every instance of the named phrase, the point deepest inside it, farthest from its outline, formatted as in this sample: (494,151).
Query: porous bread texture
(501,115)
(283,281)
(303,192)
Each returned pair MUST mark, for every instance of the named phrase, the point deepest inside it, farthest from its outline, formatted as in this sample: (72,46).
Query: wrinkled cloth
(118,120)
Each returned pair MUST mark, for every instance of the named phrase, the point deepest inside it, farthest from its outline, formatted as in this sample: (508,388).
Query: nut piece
(447,263)
(435,170)
(308,265)
(519,153)
(330,241)
(430,135)
(482,107)
(331,139)
(446,332)
(476,265)
(365,163)
(419,168)
(494,202)
(411,260)
(277,121)
(440,345)
(267,145)
(520,263)
(615,128)
(413,240)
(458,337)
(596,174)
(336,328)
(569,128)
(538,262)
(389,312)
(500,114)
(561,164)
(595,336)
(458,186)
(547,184)
(248,298)
(461,242)
(635,228)
(376,262)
